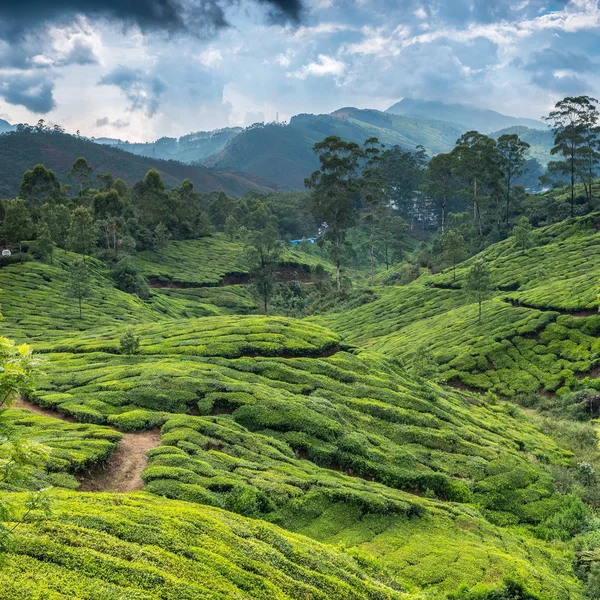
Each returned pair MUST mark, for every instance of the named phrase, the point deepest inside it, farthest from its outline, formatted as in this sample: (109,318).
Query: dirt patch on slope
(122,472)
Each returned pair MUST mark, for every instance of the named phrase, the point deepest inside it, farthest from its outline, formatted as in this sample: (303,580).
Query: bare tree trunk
(572,185)
(507,201)
(444,215)
(372,242)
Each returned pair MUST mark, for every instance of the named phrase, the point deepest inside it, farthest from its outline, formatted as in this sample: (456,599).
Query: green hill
(540,325)
(284,152)
(309,458)
(20,151)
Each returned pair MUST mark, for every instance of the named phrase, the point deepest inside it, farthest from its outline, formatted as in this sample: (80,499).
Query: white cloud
(211,57)
(324,66)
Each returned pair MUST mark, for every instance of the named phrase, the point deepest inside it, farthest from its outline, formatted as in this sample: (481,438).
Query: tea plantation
(540,326)
(308,458)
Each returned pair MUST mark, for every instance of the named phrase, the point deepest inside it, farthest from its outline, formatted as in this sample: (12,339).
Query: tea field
(308,458)
(539,330)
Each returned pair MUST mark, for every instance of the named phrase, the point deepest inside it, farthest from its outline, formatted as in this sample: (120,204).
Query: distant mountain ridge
(471,117)
(285,151)
(21,151)
(5,126)
(192,148)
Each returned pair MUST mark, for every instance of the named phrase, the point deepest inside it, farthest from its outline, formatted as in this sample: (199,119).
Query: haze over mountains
(281,154)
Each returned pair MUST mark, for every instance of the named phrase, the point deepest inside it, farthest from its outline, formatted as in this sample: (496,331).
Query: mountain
(541,142)
(23,150)
(470,117)
(191,148)
(283,152)
(5,126)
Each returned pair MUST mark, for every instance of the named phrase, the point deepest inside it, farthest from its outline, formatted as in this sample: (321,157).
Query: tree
(511,150)
(479,282)
(391,235)
(574,125)
(81,172)
(403,173)
(152,202)
(439,183)
(82,233)
(589,153)
(106,205)
(17,459)
(334,189)
(263,254)
(476,162)
(454,249)
(38,186)
(57,217)
(17,224)
(161,236)
(79,284)
(231,227)
(129,343)
(44,243)
(522,234)
(373,190)
(129,279)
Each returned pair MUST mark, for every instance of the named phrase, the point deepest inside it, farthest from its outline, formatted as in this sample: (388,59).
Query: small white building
(6,252)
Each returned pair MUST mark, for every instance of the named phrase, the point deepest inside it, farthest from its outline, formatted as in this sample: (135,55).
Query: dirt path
(122,472)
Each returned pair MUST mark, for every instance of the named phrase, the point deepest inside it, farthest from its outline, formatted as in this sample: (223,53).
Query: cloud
(31,90)
(117,124)
(324,66)
(143,90)
(195,17)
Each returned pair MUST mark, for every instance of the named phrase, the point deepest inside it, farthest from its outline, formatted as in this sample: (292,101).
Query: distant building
(303,241)
(6,252)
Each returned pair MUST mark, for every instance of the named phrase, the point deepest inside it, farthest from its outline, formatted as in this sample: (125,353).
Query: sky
(145,69)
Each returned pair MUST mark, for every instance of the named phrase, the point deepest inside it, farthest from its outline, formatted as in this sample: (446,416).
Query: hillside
(294,457)
(467,116)
(21,151)
(284,154)
(191,148)
(540,328)
(541,141)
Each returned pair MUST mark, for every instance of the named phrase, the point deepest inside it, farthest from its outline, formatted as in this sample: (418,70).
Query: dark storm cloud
(560,71)
(33,90)
(143,90)
(196,17)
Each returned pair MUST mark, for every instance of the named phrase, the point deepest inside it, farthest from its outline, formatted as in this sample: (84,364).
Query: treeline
(473,191)
(101,216)
(364,203)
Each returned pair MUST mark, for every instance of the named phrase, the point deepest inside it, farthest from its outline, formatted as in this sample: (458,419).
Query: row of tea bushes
(64,448)
(139,547)
(228,336)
